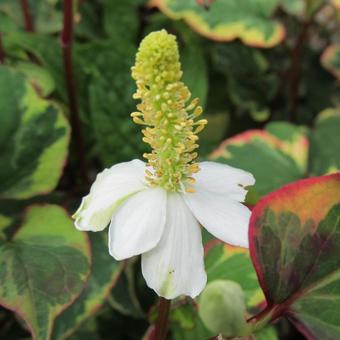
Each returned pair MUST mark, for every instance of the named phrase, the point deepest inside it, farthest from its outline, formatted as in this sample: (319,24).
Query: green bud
(222,308)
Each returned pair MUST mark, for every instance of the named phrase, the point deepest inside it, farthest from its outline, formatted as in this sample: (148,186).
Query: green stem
(163,317)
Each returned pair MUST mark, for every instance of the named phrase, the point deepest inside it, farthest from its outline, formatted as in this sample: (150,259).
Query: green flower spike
(170,119)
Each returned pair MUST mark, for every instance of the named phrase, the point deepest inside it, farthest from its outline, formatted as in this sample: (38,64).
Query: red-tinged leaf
(295,244)
(275,156)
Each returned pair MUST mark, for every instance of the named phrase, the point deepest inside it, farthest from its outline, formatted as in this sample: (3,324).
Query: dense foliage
(267,73)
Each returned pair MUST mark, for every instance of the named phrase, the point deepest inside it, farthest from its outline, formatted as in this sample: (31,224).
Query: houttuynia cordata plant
(155,208)
(223,230)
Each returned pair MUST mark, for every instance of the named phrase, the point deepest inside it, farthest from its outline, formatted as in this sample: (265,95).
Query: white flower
(164,226)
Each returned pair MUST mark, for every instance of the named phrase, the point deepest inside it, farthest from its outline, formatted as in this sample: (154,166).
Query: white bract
(164,226)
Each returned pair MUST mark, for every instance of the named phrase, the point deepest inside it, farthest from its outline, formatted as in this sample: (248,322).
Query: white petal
(216,202)
(175,266)
(223,179)
(111,187)
(138,224)
(225,219)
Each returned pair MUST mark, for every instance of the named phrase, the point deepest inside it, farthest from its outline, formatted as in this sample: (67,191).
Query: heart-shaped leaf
(34,136)
(43,268)
(225,20)
(295,244)
(275,156)
(104,274)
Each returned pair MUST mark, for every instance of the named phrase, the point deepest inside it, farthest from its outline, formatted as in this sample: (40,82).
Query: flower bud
(222,308)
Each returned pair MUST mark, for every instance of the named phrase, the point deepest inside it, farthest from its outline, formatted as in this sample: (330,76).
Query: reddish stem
(66,39)
(29,25)
(295,70)
(163,317)
(2,51)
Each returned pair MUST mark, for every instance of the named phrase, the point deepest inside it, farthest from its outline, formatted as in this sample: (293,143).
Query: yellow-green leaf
(34,137)
(43,268)
(225,20)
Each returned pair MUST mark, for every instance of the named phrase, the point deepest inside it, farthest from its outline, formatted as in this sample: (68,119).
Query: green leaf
(250,84)
(13,11)
(40,78)
(185,324)
(43,268)
(222,308)
(46,16)
(118,138)
(195,74)
(275,156)
(295,243)
(123,297)
(5,222)
(104,275)
(225,20)
(7,24)
(121,19)
(293,141)
(294,7)
(225,262)
(45,48)
(267,333)
(34,137)
(330,59)
(325,143)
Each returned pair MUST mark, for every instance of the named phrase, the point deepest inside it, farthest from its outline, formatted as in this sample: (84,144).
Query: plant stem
(66,39)
(2,51)
(29,26)
(162,321)
(295,70)
(296,62)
